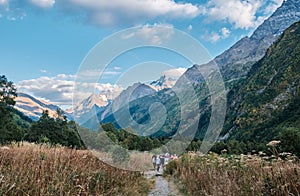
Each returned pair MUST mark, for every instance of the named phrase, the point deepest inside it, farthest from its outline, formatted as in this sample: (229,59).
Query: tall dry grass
(138,161)
(40,170)
(236,175)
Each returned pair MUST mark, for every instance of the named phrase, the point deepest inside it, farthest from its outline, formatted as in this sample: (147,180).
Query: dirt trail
(163,187)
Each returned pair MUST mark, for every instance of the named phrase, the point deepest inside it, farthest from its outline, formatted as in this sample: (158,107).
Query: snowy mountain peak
(163,82)
(94,101)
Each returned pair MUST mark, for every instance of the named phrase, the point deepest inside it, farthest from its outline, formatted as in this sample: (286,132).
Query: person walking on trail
(158,163)
(167,157)
(154,161)
(162,161)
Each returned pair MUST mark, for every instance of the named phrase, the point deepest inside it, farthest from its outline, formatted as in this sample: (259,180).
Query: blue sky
(43,42)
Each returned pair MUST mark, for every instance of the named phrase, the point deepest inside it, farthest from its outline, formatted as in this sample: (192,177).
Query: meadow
(30,169)
(256,174)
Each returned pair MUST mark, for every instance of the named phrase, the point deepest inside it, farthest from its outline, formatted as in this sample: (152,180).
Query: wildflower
(223,151)
(273,143)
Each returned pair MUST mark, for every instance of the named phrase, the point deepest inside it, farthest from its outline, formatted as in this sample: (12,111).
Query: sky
(43,43)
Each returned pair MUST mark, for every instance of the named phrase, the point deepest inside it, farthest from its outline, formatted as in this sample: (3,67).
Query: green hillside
(269,98)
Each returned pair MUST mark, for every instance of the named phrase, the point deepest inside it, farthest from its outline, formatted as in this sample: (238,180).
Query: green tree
(290,140)
(9,130)
(57,130)
(8,92)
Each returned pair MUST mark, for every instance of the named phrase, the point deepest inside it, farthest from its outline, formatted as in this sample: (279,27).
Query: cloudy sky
(43,42)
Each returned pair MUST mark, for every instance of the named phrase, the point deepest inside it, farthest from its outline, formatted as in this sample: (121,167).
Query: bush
(171,167)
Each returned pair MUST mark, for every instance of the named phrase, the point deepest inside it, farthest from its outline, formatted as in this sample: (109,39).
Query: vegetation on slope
(267,101)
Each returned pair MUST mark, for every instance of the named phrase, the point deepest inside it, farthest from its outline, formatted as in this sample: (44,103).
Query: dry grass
(41,170)
(237,175)
(138,161)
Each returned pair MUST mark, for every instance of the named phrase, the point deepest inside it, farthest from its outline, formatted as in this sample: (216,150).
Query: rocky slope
(238,60)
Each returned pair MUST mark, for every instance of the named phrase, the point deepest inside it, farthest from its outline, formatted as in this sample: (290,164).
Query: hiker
(158,162)
(175,157)
(162,161)
(167,157)
(154,161)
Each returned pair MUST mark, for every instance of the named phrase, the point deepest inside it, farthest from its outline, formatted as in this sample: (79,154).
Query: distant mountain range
(100,104)
(33,107)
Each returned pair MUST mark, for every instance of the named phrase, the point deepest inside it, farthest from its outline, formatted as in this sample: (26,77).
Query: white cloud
(43,3)
(214,36)
(116,12)
(91,75)
(59,89)
(174,73)
(154,34)
(111,73)
(240,13)
(274,4)
(3,2)
(117,68)
(225,32)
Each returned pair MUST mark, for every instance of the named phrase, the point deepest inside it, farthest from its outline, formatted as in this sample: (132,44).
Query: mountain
(235,62)
(163,82)
(137,115)
(33,107)
(84,111)
(94,101)
(95,108)
(268,100)
(136,91)
(260,105)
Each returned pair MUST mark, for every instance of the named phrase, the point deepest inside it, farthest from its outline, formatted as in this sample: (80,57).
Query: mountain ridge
(236,61)
(264,101)
(33,107)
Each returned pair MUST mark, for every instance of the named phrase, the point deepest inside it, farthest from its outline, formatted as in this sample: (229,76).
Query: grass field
(31,169)
(237,175)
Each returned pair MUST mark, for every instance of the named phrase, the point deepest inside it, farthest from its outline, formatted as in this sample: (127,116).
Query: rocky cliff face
(237,61)
(136,91)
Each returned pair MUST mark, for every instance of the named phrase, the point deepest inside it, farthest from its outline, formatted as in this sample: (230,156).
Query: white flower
(273,143)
